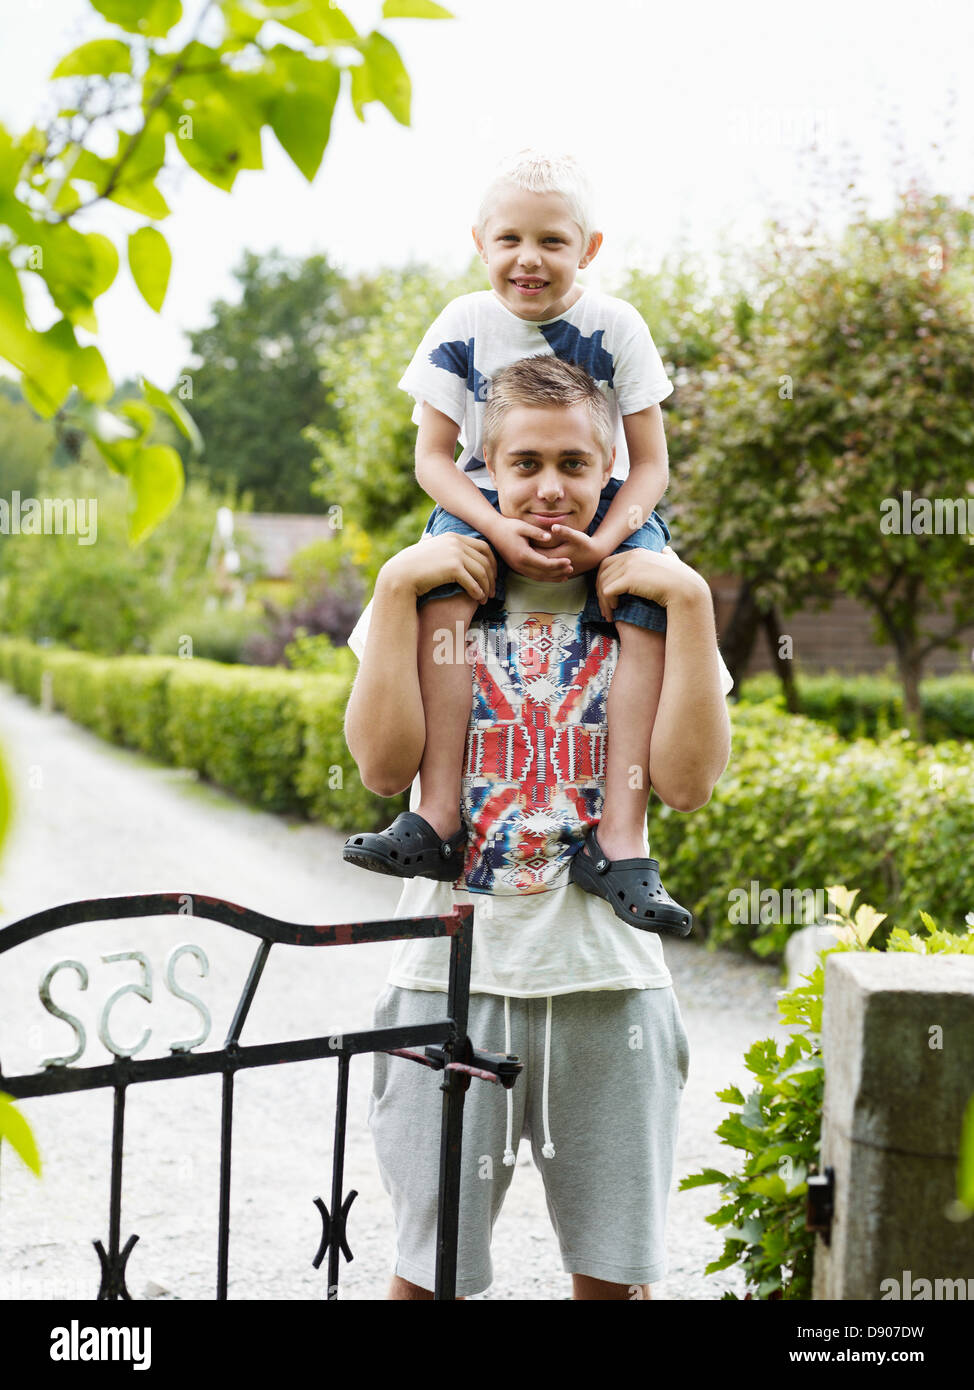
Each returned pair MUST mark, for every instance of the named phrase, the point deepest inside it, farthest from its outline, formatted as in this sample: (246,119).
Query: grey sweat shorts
(618,1063)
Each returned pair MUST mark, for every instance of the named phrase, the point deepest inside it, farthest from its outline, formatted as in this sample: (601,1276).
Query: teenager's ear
(479,244)
(591,251)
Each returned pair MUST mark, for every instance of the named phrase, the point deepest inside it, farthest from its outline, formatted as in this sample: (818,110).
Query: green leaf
(148,152)
(414,9)
(319,21)
(725,1261)
(153,18)
(141,415)
(240,22)
(16,1131)
(91,375)
(381,77)
(219,142)
(48,368)
(730,1094)
(701,1179)
(101,56)
(176,411)
(91,168)
(301,112)
(150,262)
(142,197)
(156,482)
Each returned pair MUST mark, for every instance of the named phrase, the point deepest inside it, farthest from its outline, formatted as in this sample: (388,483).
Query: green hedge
(867,706)
(797,809)
(273,737)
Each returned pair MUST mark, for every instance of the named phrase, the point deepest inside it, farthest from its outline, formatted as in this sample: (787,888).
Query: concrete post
(898,1046)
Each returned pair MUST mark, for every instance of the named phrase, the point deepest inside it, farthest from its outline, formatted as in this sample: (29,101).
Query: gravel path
(93,820)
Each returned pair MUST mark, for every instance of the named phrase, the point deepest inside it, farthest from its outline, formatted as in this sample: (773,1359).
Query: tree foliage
(368,469)
(208,99)
(842,379)
(259,382)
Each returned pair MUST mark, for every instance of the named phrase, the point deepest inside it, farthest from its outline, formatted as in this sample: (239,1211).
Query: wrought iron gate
(447,1048)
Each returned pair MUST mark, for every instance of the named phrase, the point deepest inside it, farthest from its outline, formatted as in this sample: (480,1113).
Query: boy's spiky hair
(537,172)
(546,380)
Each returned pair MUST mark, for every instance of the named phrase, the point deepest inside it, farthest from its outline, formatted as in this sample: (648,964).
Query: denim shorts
(630,608)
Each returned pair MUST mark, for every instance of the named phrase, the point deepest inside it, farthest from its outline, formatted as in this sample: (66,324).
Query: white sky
(688,117)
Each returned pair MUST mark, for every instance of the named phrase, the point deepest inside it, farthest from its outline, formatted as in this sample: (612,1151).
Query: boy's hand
(661,576)
(584,551)
(513,538)
(446,559)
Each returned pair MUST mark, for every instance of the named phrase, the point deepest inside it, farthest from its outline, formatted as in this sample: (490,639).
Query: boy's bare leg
(401,1289)
(447,692)
(584,1286)
(630,715)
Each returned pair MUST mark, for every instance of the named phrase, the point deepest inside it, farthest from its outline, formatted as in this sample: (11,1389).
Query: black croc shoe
(409,848)
(629,884)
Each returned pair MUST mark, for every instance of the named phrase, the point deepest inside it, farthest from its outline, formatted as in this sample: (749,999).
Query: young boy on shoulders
(535,231)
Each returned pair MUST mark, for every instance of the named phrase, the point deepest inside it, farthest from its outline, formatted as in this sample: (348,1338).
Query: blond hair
(546,380)
(536,172)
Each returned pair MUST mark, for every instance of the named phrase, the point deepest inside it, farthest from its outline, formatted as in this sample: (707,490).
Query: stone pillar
(898,1046)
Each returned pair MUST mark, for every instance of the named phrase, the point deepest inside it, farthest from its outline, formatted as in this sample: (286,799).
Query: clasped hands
(568,552)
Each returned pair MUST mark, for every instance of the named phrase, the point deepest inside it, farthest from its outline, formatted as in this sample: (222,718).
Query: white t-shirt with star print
(476,335)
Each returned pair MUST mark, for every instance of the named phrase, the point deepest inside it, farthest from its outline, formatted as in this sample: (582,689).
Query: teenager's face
(533,249)
(549,466)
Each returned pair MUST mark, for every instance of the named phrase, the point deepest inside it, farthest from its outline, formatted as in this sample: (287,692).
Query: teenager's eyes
(529,463)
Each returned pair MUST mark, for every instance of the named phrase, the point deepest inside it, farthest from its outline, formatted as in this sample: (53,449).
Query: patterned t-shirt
(476,335)
(533,781)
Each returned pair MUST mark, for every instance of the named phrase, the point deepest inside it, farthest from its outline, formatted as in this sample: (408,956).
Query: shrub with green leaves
(777,1127)
(273,737)
(872,706)
(798,808)
(216,634)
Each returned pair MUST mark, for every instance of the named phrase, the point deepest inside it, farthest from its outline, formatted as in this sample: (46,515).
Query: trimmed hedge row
(867,706)
(274,738)
(798,808)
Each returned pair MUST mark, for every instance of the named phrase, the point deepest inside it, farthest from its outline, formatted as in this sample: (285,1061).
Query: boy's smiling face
(549,465)
(533,248)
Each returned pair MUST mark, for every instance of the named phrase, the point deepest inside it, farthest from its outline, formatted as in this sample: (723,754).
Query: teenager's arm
(438,476)
(649,474)
(690,742)
(385,726)
(691,737)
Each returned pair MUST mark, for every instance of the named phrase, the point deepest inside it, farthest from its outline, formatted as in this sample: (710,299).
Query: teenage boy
(605,1069)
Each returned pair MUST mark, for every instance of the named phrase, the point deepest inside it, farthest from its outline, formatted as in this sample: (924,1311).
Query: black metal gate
(447,1049)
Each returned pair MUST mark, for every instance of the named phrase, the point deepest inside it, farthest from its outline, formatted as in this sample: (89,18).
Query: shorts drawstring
(508,1151)
(548,1148)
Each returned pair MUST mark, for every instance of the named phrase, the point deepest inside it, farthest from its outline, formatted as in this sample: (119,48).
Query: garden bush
(218,634)
(798,808)
(778,1126)
(870,706)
